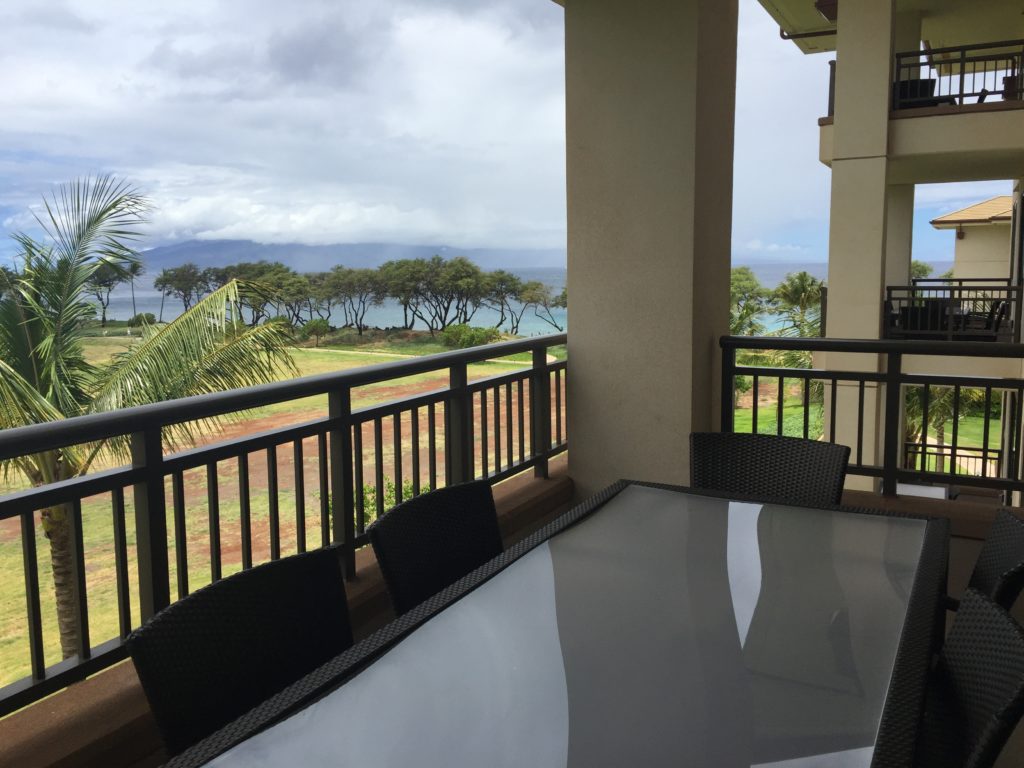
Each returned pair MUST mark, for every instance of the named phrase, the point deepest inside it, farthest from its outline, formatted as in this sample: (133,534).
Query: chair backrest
(976,690)
(999,572)
(782,469)
(433,540)
(214,655)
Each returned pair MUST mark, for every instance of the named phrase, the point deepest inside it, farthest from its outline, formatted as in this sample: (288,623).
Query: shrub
(143,318)
(462,336)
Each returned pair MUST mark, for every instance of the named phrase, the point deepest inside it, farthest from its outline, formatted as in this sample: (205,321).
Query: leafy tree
(748,300)
(468,285)
(503,290)
(920,269)
(321,298)
(402,280)
(104,279)
(44,375)
(539,296)
(356,290)
(317,328)
(187,282)
(264,279)
(294,291)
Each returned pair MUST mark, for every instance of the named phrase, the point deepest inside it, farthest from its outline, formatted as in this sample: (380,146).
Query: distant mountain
(316,258)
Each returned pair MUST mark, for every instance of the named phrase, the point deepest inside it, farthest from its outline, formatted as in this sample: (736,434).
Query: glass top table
(651,626)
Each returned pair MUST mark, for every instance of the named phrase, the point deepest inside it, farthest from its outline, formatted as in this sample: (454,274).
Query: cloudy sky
(409,121)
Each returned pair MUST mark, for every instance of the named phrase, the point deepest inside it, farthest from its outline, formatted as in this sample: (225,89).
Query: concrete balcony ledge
(105,720)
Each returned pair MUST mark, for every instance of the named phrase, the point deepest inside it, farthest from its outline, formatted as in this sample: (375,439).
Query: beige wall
(650,95)
(983,251)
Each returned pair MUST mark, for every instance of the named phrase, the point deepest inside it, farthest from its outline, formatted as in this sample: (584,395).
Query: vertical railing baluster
(360,488)
(273,505)
(458,434)
(807,407)
(558,407)
(124,604)
(925,404)
(244,510)
(892,428)
(780,412)
(339,410)
(150,522)
(860,422)
(414,428)
(484,463)
(81,598)
(396,434)
(378,465)
(509,442)
(298,466)
(956,419)
(540,411)
(985,431)
(30,559)
(727,393)
(497,429)
(833,396)
(213,504)
(323,472)
(521,408)
(432,445)
(180,535)
(753,414)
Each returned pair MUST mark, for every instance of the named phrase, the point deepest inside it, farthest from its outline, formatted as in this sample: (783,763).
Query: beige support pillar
(650,101)
(859,231)
(899,233)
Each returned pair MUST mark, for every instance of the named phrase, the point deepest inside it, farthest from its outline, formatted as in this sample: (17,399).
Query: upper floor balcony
(953,309)
(979,84)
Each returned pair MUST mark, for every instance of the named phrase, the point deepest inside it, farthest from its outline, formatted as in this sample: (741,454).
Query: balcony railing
(970,74)
(337,471)
(955,310)
(962,430)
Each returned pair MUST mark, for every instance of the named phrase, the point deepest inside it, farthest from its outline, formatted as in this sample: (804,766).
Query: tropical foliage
(89,229)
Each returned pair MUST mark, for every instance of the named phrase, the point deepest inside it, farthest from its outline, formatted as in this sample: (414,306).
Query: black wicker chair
(431,541)
(217,653)
(784,469)
(999,572)
(976,691)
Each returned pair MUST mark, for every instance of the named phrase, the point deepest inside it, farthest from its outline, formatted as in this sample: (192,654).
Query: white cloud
(310,121)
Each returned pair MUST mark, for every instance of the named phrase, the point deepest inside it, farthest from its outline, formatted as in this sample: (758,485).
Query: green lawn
(97,512)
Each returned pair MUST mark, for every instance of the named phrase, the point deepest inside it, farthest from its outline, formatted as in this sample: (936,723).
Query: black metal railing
(831,107)
(983,461)
(970,74)
(340,472)
(953,309)
(874,406)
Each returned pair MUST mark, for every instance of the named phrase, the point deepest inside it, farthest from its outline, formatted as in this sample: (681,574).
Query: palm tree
(135,269)
(44,375)
(942,406)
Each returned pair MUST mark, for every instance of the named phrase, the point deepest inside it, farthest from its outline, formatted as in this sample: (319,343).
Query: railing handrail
(1002,282)
(22,441)
(876,346)
(958,48)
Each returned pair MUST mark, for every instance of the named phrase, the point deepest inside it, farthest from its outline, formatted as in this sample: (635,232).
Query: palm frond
(203,350)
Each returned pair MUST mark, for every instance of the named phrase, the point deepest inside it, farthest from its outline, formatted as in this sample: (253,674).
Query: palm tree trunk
(135,311)
(57,530)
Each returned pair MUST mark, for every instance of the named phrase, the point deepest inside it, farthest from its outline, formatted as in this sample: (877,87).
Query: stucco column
(861,201)
(650,102)
(899,233)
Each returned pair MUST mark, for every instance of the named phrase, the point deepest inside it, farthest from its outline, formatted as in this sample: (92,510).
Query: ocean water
(389,314)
